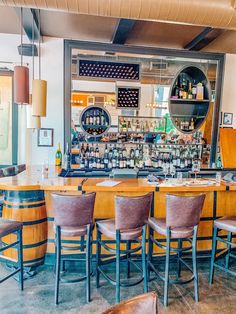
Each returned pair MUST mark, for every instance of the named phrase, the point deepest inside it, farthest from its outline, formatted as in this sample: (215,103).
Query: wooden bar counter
(27,198)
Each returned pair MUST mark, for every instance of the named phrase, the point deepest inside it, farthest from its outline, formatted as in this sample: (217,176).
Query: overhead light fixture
(31,121)
(21,76)
(39,88)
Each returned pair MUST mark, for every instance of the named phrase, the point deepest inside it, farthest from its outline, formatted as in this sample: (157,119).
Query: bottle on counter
(200,91)
(58,158)
(67,158)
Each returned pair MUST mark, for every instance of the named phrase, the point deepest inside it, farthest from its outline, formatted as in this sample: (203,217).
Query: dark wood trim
(193,43)
(111,48)
(123,29)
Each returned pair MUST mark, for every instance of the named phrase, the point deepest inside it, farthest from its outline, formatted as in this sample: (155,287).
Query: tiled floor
(38,296)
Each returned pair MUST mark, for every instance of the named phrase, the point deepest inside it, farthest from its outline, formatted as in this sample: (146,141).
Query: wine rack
(189,99)
(108,70)
(128,97)
(95,121)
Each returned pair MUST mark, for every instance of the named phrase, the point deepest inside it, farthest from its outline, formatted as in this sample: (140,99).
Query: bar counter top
(32,179)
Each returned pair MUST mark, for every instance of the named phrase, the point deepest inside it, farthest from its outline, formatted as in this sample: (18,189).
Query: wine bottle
(58,158)
(67,158)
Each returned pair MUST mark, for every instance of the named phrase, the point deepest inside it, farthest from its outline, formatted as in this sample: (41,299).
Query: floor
(38,296)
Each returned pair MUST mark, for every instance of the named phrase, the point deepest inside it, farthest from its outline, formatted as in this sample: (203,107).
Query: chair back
(144,303)
(132,212)
(183,211)
(73,210)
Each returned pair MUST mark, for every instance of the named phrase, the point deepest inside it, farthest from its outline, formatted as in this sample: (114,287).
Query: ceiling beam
(30,22)
(123,29)
(193,43)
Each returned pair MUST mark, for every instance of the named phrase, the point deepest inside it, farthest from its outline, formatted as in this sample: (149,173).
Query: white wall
(52,71)
(229,87)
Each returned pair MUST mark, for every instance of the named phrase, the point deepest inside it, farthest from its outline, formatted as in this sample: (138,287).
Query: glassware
(196,167)
(165,170)
(45,168)
(172,171)
(180,176)
(218,178)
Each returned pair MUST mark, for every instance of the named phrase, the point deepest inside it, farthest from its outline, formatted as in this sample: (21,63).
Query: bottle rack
(188,109)
(141,125)
(95,121)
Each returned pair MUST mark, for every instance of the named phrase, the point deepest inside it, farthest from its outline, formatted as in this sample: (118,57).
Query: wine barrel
(29,208)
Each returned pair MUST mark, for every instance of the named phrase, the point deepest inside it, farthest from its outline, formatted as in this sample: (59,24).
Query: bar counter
(27,198)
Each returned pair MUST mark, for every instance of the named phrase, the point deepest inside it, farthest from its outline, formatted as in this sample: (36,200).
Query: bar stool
(144,303)
(227,224)
(181,224)
(73,218)
(131,214)
(8,227)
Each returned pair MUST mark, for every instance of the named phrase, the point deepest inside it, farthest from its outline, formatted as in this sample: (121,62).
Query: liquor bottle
(87,151)
(98,162)
(82,150)
(129,126)
(67,158)
(91,119)
(190,94)
(94,117)
(124,126)
(106,160)
(103,120)
(200,91)
(90,163)
(194,90)
(97,151)
(87,119)
(137,126)
(91,151)
(58,158)
(82,163)
(114,164)
(110,153)
(191,127)
(98,118)
(109,163)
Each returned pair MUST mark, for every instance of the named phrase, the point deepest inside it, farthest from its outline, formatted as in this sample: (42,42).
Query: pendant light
(32,122)
(21,76)
(39,89)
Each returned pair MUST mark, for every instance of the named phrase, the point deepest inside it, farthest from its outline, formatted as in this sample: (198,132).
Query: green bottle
(58,158)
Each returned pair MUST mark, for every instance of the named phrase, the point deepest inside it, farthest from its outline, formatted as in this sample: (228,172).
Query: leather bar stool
(131,214)
(181,224)
(8,227)
(144,303)
(227,224)
(73,218)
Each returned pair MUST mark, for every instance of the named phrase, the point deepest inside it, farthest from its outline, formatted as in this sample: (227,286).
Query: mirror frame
(87,45)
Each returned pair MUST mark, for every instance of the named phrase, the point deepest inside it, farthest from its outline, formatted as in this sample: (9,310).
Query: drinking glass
(196,168)
(218,178)
(165,170)
(172,171)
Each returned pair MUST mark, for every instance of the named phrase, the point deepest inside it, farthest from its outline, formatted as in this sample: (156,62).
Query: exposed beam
(123,29)
(30,22)
(193,43)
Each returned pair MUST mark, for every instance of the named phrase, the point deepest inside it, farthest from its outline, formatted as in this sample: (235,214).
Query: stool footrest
(10,275)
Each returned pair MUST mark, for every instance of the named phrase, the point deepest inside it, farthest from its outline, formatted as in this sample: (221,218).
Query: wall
(52,71)
(229,90)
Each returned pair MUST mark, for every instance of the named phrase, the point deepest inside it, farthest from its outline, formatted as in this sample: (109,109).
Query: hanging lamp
(32,122)
(21,76)
(39,89)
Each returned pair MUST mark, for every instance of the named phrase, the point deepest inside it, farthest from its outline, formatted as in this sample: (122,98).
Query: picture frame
(228,118)
(45,137)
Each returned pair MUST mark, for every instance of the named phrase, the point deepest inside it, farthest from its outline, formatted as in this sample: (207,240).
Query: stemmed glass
(196,167)
(165,170)
(172,171)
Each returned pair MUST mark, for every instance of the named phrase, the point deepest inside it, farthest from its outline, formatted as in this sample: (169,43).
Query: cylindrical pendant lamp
(21,85)
(39,98)
(31,121)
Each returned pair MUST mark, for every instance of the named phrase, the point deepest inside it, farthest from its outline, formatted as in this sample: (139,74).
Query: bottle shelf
(187,116)
(189,101)
(94,126)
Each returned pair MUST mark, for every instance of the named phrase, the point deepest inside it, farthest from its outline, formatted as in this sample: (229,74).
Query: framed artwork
(228,118)
(45,137)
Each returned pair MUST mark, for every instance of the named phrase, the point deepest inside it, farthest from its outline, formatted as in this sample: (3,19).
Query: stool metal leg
(194,256)
(150,250)
(166,284)
(20,258)
(229,238)
(98,253)
(179,256)
(117,266)
(144,262)
(58,262)
(88,257)
(214,246)
(128,245)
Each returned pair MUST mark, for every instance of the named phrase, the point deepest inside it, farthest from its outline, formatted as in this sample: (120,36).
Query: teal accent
(34,222)
(24,196)
(24,206)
